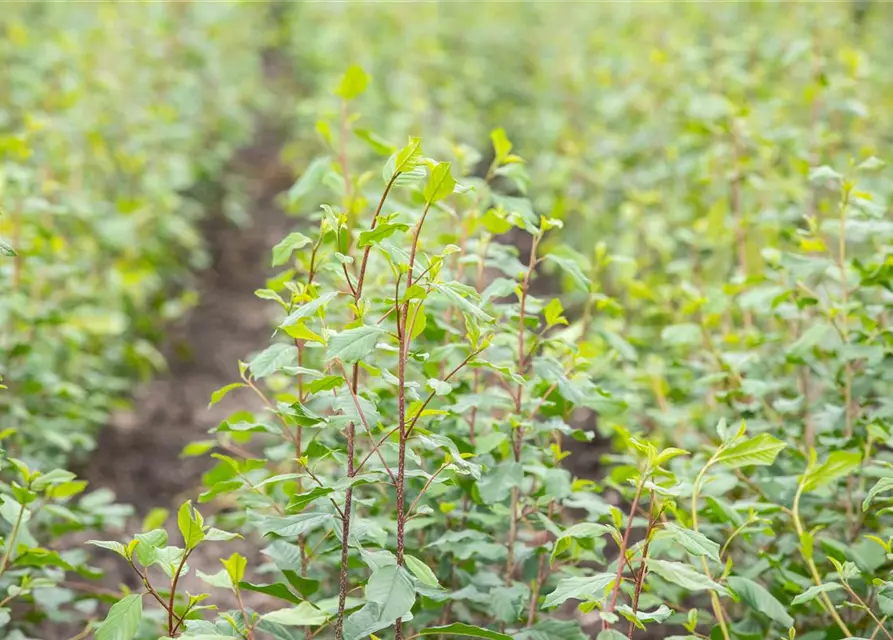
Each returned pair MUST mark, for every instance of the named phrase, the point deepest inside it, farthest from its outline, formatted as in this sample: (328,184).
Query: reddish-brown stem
(384,196)
(643,567)
(248,629)
(356,403)
(518,433)
(174,581)
(624,545)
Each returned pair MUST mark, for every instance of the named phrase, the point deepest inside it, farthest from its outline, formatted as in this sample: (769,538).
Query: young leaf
(760,450)
(190,522)
(501,145)
(838,464)
(272,359)
(440,183)
(814,592)
(881,486)
(353,82)
(552,313)
(291,243)
(235,567)
(123,619)
(309,309)
(218,395)
(759,599)
(694,542)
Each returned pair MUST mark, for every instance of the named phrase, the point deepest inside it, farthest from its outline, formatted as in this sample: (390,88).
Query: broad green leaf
(440,183)
(303,615)
(288,245)
(684,575)
(421,571)
(390,595)
(326,383)
(6,249)
(308,309)
(694,542)
(272,359)
(190,523)
(838,465)
(353,82)
(553,313)
(645,617)
(572,268)
(111,545)
(580,588)
(405,161)
(460,629)
(277,590)
(235,567)
(581,530)
(463,303)
(439,387)
(218,395)
(881,486)
(294,526)
(123,619)
(814,592)
(501,145)
(760,450)
(353,345)
(301,500)
(375,142)
(197,448)
(759,599)
(379,233)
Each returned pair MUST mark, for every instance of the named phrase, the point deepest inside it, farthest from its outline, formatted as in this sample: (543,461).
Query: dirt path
(138,456)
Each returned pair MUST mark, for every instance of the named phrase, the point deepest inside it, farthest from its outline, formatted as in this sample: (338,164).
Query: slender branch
(356,403)
(174,580)
(384,196)
(432,394)
(624,545)
(425,488)
(11,541)
(643,567)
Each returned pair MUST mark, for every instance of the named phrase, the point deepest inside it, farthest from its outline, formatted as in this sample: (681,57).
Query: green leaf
(277,590)
(6,249)
(570,266)
(378,144)
(760,450)
(463,303)
(190,523)
(273,359)
(584,588)
(390,595)
(309,309)
(759,599)
(353,345)
(379,233)
(684,575)
(440,183)
(326,383)
(353,82)
(218,395)
(838,464)
(311,179)
(694,542)
(301,500)
(439,387)
(294,526)
(580,531)
(197,448)
(291,243)
(421,571)
(501,145)
(406,161)
(814,592)
(464,630)
(117,547)
(303,615)
(552,313)
(123,619)
(235,567)
(881,486)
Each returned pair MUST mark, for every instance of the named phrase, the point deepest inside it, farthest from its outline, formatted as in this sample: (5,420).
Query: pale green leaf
(353,345)
(760,450)
(759,599)
(123,619)
(579,588)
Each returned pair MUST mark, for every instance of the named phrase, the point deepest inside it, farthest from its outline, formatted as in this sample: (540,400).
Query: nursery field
(386,321)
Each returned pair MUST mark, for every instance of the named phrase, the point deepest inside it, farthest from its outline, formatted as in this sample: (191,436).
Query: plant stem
(345,522)
(10,543)
(624,545)
(714,598)
(174,581)
(643,567)
(813,570)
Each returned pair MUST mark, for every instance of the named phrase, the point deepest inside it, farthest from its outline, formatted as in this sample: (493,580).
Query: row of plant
(110,118)
(407,473)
